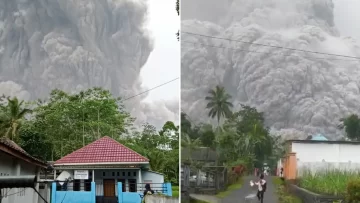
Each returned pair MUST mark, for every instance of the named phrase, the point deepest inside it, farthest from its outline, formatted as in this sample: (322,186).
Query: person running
(261,188)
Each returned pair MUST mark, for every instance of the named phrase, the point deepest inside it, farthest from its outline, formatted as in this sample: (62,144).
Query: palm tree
(219,104)
(11,117)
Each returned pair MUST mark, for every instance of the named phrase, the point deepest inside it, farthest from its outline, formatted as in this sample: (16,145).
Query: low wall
(73,196)
(324,166)
(160,199)
(310,197)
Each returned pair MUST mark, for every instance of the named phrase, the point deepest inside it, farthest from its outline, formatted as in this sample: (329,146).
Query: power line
(259,44)
(243,50)
(151,89)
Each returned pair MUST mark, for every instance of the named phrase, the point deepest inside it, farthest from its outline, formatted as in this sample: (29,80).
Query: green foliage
(218,103)
(175,191)
(162,148)
(66,122)
(351,124)
(79,119)
(353,191)
(283,195)
(12,115)
(243,137)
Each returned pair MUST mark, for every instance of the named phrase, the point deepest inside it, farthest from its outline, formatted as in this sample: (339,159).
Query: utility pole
(98,123)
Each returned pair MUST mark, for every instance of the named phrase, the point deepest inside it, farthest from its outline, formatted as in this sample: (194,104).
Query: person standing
(148,191)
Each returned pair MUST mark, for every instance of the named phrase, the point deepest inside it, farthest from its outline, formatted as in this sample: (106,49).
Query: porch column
(140,180)
(54,174)
(292,166)
(15,172)
(36,196)
(93,176)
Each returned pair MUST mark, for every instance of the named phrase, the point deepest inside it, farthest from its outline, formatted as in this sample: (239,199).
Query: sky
(164,62)
(346,17)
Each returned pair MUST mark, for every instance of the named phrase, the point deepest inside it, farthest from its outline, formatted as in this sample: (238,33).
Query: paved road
(238,196)
(206,198)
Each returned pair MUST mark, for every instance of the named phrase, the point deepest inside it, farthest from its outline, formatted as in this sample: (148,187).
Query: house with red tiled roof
(105,168)
(15,161)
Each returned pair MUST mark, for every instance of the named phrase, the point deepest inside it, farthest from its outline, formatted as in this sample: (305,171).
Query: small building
(318,137)
(101,166)
(15,162)
(319,154)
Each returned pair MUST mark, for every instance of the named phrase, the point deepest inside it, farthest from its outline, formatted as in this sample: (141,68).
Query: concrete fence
(315,167)
(160,199)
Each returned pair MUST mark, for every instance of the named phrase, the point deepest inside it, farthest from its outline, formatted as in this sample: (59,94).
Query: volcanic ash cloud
(296,90)
(74,45)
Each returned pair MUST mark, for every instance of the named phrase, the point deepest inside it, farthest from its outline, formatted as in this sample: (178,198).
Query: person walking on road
(261,188)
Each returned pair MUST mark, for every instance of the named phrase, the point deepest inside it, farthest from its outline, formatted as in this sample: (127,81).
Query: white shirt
(260,184)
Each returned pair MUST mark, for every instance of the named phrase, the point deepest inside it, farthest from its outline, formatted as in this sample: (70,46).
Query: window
(118,173)
(113,173)
(104,174)
(76,185)
(129,174)
(134,173)
(123,173)
(87,185)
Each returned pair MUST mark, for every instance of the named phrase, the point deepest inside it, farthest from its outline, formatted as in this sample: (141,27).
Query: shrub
(328,182)
(353,191)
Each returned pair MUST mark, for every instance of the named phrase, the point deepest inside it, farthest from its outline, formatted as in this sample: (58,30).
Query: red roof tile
(103,150)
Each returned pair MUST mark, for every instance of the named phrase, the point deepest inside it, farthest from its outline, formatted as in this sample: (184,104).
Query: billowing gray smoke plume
(74,45)
(299,93)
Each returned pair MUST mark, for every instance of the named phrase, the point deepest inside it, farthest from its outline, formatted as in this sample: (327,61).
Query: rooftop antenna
(82,108)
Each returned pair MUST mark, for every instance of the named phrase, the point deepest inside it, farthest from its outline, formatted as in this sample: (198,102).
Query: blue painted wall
(73,196)
(136,197)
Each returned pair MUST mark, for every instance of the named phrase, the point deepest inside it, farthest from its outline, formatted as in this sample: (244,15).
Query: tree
(351,124)
(11,117)
(34,143)
(177,7)
(249,137)
(161,148)
(71,121)
(218,103)
(207,136)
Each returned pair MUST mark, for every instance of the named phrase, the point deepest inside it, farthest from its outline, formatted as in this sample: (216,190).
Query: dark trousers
(260,195)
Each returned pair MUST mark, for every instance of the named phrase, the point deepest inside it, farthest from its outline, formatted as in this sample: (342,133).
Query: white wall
(153,179)
(13,167)
(118,174)
(322,156)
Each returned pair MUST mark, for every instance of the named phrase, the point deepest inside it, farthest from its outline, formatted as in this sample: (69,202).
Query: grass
(230,189)
(329,182)
(283,195)
(175,191)
(197,201)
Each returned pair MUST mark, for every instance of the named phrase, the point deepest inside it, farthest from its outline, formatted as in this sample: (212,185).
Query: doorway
(109,187)
(123,184)
(132,185)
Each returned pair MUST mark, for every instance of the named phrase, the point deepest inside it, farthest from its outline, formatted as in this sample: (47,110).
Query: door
(109,187)
(132,185)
